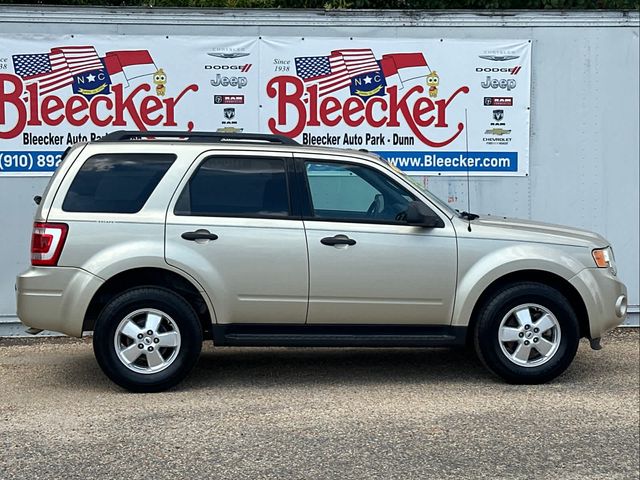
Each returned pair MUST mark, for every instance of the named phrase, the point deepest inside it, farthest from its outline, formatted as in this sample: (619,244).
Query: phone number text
(41,161)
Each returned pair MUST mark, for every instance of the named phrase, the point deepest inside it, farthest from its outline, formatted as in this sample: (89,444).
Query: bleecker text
(30,109)
(417,111)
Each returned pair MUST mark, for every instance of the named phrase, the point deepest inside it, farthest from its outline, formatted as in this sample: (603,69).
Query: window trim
(308,210)
(256,156)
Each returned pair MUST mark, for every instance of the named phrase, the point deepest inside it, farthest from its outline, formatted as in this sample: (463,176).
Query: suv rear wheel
(147,339)
(527,333)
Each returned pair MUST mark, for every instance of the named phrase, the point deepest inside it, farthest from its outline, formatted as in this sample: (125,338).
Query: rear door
(367,265)
(231,225)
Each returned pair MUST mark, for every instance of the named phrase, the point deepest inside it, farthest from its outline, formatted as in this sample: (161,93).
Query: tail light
(47,241)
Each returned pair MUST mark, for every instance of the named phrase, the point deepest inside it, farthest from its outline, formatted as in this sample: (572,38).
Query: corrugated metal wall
(584,158)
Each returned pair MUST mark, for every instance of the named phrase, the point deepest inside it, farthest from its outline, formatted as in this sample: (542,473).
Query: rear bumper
(605,298)
(55,298)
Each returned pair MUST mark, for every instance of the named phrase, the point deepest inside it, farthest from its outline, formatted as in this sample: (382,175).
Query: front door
(232,228)
(367,265)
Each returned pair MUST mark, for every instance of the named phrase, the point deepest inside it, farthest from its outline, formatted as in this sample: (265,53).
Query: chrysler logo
(228,54)
(499,58)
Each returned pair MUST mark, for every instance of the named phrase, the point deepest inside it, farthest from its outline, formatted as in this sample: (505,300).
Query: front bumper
(605,298)
(55,298)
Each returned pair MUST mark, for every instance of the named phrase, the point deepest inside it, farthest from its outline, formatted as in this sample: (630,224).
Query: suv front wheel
(147,339)
(527,333)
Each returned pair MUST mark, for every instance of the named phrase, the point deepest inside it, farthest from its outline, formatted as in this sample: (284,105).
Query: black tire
(488,346)
(165,301)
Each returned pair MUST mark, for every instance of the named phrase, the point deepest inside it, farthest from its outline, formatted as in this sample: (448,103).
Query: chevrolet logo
(229,130)
(497,131)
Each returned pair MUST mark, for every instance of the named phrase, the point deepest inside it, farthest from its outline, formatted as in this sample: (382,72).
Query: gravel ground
(319,414)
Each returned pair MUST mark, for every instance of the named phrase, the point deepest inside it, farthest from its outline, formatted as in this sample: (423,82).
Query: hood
(501,228)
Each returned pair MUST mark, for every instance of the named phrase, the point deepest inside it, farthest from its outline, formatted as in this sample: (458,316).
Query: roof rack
(199,137)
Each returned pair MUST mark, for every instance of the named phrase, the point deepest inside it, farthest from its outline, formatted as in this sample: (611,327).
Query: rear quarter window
(116,182)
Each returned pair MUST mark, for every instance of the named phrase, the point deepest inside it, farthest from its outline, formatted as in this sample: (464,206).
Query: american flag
(48,70)
(80,59)
(55,70)
(335,71)
(359,60)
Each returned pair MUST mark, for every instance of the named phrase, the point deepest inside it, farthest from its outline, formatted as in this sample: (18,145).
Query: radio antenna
(466,145)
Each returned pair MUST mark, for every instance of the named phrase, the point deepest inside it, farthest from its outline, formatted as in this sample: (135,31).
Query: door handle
(338,240)
(200,234)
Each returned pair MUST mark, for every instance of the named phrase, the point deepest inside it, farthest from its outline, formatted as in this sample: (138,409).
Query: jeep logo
(503,83)
(223,81)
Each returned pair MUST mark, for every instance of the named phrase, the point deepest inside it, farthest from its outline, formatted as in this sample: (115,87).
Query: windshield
(443,205)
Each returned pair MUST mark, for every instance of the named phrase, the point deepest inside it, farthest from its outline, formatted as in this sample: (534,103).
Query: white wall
(584,158)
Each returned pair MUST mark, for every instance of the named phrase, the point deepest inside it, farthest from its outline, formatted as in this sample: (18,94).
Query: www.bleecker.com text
(351,140)
(455,161)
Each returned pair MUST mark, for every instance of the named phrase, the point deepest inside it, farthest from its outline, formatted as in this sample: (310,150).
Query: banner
(429,106)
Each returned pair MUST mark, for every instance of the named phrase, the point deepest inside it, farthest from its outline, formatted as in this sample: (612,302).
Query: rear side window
(116,182)
(236,186)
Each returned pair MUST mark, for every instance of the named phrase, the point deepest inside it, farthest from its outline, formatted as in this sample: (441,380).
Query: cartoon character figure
(433,80)
(160,79)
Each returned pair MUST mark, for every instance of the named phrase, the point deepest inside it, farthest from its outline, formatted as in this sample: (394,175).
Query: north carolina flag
(130,63)
(407,66)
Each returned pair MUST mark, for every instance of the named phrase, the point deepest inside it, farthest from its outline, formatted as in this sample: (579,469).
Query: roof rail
(200,137)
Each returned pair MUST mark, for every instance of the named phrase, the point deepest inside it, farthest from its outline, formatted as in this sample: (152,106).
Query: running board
(261,335)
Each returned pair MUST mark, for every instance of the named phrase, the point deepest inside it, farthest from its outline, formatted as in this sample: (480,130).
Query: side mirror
(420,215)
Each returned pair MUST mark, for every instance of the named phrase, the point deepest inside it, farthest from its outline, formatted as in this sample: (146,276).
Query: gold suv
(157,240)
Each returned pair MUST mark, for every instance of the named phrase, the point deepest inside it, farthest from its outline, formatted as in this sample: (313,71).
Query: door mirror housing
(420,215)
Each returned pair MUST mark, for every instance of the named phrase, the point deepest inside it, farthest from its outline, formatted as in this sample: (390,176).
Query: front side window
(350,192)
(116,182)
(236,186)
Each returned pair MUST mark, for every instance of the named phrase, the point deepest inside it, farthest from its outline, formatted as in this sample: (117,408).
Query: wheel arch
(547,278)
(150,276)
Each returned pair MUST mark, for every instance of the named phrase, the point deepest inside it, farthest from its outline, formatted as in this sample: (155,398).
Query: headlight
(604,259)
